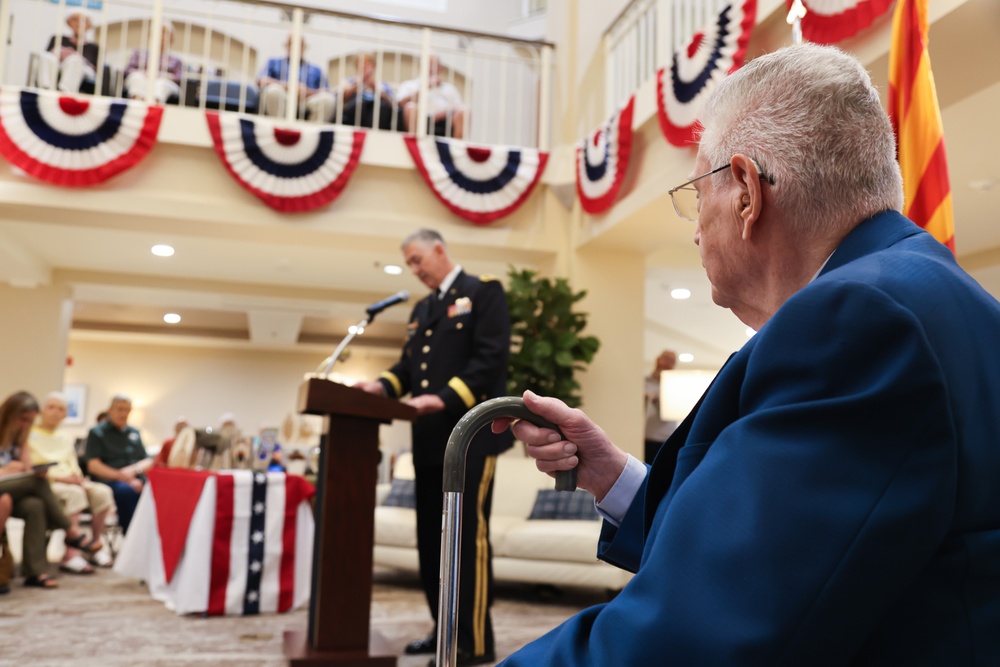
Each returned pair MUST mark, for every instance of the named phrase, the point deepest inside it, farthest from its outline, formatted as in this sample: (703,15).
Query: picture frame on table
(76,403)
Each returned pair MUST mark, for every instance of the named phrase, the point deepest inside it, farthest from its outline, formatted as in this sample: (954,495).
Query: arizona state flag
(916,118)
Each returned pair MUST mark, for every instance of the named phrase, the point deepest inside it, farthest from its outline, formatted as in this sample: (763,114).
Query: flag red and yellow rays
(916,118)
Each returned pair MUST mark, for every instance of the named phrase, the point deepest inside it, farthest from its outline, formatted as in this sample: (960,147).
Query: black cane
(453,485)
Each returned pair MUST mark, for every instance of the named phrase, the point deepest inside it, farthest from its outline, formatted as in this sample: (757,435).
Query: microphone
(379,306)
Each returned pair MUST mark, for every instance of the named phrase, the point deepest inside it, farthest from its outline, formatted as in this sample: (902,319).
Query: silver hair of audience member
(811,118)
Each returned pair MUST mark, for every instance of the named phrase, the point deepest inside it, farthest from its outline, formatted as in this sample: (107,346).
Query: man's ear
(751,201)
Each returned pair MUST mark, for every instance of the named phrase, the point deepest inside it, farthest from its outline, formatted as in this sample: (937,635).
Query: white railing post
(294,65)
(664,45)
(425,73)
(4,30)
(610,65)
(544,94)
(154,55)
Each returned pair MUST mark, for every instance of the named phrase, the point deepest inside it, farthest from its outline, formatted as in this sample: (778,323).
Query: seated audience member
(360,100)
(31,496)
(6,559)
(72,61)
(444,104)
(834,501)
(167,83)
(657,430)
(74,492)
(314,89)
(163,456)
(116,456)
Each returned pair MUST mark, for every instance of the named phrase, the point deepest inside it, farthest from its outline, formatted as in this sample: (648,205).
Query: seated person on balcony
(444,104)
(73,61)
(75,493)
(116,456)
(31,496)
(359,105)
(314,89)
(167,83)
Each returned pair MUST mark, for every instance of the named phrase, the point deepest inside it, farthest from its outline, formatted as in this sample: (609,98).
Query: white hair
(811,119)
(55,396)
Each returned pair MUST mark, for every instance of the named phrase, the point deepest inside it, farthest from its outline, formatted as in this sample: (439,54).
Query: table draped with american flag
(233,542)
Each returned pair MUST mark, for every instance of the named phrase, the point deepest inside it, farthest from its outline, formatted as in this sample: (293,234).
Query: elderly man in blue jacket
(836,499)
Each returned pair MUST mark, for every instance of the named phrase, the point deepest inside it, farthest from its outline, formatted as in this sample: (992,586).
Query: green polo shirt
(113,446)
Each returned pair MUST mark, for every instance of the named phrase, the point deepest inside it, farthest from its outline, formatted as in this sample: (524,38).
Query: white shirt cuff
(620,497)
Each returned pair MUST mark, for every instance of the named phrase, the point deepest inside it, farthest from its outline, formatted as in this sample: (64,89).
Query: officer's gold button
(423,367)
(458,326)
(424,383)
(428,332)
(426,349)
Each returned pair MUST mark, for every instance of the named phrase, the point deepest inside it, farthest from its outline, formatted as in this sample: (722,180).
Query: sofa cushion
(395,526)
(402,493)
(552,504)
(574,541)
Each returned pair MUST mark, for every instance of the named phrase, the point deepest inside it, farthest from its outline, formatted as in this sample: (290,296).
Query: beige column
(613,384)
(33,338)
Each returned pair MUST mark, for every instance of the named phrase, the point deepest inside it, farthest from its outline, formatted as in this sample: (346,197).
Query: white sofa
(558,552)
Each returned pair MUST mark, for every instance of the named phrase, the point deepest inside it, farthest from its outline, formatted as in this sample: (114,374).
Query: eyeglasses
(685,196)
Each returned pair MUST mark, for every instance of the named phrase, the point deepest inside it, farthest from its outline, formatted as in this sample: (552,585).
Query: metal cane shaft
(453,486)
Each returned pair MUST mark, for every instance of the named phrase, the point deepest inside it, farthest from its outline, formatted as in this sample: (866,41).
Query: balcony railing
(643,38)
(223,46)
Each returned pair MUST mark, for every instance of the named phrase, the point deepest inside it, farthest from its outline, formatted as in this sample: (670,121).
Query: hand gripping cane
(454,485)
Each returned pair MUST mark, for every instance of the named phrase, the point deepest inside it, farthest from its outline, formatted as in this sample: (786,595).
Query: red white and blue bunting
(831,21)
(74,141)
(602,160)
(713,52)
(478,183)
(290,170)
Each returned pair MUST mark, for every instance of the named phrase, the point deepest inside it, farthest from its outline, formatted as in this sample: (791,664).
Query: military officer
(454,357)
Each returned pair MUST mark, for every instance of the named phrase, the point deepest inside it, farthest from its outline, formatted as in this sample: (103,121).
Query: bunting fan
(831,21)
(74,141)
(602,160)
(712,53)
(478,183)
(290,170)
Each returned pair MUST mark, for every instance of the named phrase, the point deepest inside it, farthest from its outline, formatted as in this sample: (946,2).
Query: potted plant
(547,347)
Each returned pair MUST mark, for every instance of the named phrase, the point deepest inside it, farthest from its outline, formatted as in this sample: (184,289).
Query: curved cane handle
(475,419)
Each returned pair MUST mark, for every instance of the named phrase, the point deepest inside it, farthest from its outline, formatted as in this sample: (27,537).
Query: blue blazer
(836,499)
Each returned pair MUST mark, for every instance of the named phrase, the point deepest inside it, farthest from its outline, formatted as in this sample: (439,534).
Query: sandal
(101,559)
(41,581)
(76,565)
(82,543)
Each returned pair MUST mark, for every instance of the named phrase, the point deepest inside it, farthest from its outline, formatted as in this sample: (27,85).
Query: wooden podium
(340,605)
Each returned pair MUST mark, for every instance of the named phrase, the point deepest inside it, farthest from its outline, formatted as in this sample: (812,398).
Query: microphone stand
(359,327)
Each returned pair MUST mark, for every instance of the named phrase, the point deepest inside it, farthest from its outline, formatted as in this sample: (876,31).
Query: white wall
(201,383)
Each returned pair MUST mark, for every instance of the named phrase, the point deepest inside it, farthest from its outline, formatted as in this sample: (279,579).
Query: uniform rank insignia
(411,329)
(462,306)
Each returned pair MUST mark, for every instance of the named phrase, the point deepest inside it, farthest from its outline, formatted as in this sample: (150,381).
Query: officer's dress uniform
(457,347)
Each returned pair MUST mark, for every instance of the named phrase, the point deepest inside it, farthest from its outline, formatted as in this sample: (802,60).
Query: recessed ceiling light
(750,332)
(162,250)
(392,269)
(680,293)
(984,184)
(685,358)
(171,318)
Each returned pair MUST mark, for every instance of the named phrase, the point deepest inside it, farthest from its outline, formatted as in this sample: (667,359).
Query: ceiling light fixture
(171,318)
(162,250)
(392,269)
(680,293)
(685,357)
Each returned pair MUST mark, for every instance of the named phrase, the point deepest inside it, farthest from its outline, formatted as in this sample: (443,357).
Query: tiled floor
(107,620)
